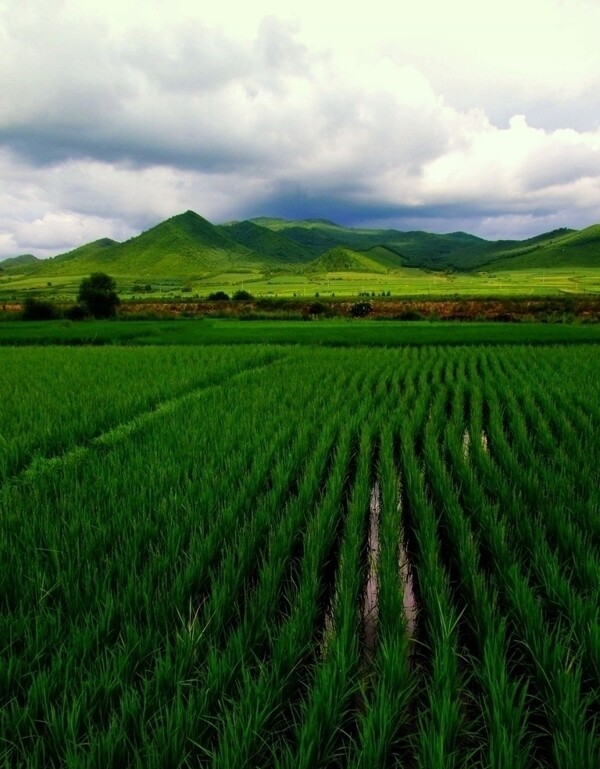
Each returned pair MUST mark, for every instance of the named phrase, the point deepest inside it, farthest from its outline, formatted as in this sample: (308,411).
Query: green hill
(282,255)
(386,256)
(186,245)
(24,262)
(276,224)
(273,247)
(88,258)
(559,249)
(341,259)
(314,240)
(417,249)
(475,255)
(429,250)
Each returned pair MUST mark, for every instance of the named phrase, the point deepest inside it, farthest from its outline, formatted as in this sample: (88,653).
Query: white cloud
(115,115)
(519,165)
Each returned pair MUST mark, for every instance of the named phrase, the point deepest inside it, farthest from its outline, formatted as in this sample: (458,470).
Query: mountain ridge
(189,246)
(18,261)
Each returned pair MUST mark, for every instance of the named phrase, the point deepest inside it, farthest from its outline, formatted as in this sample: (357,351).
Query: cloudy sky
(476,115)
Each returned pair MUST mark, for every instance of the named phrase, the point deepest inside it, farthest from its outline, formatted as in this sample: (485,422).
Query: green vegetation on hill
(278,257)
(562,249)
(418,249)
(386,256)
(87,258)
(312,239)
(341,259)
(185,245)
(273,247)
(25,261)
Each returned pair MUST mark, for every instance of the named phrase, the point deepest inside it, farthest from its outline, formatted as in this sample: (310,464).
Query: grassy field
(335,332)
(402,282)
(411,282)
(298,556)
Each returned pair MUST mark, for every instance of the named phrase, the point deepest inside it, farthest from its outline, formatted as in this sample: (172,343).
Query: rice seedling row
(562,602)
(291,557)
(55,398)
(544,657)
(539,478)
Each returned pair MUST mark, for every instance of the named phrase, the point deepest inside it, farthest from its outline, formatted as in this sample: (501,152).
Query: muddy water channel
(405,571)
(370,607)
(466,443)
(370,602)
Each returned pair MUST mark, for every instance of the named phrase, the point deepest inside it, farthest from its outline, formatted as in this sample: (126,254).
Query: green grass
(493,280)
(336,333)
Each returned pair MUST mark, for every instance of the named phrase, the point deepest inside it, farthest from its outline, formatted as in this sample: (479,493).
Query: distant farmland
(276,556)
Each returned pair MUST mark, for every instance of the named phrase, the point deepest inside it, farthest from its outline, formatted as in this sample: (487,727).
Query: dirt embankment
(508,310)
(555,309)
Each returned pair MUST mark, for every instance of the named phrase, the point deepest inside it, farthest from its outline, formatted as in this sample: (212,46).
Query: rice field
(275,556)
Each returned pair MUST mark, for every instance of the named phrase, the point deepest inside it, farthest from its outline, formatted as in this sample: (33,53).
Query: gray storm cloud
(108,124)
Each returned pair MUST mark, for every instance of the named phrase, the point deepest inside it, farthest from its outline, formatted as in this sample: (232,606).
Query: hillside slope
(92,257)
(272,246)
(187,246)
(341,259)
(24,262)
(184,245)
(561,249)
(418,249)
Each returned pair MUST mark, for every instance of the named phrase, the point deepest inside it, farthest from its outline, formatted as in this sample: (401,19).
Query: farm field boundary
(333,333)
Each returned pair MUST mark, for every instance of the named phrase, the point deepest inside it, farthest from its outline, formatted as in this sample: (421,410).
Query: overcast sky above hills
(472,115)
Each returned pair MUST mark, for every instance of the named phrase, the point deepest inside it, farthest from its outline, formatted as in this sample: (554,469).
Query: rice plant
(300,557)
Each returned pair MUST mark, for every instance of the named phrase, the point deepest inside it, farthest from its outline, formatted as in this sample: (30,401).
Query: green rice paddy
(275,555)
(335,332)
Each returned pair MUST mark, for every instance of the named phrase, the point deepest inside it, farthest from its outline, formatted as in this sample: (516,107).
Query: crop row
(326,558)
(56,398)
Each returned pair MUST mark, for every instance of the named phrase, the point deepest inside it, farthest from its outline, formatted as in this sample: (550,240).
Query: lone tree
(242,296)
(360,309)
(98,296)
